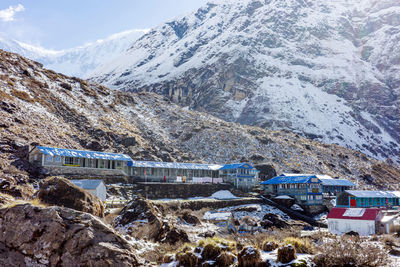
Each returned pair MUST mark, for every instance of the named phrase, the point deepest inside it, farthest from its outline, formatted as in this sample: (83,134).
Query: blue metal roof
(372,194)
(237,166)
(82,153)
(87,184)
(283,179)
(174,165)
(336,182)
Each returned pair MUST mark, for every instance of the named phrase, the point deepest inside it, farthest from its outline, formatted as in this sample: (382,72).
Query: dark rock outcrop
(56,236)
(61,192)
(138,212)
(275,219)
(190,219)
(267,171)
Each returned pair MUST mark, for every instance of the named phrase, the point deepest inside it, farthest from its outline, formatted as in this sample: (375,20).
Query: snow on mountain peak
(325,69)
(79,61)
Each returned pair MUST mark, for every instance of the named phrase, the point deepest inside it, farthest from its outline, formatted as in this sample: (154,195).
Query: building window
(69,160)
(57,159)
(49,158)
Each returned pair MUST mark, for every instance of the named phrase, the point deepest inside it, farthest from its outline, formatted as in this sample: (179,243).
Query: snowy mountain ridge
(79,61)
(325,69)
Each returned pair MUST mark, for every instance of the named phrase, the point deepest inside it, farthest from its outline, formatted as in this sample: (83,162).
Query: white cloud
(9,13)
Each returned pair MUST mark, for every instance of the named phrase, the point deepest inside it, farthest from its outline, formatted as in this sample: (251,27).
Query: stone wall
(179,190)
(199,204)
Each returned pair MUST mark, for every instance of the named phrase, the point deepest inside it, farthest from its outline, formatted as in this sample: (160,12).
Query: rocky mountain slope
(39,106)
(79,61)
(328,70)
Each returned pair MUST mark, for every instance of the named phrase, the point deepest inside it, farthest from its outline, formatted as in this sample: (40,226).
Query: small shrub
(187,259)
(389,240)
(270,246)
(286,254)
(302,245)
(225,259)
(211,252)
(249,257)
(346,252)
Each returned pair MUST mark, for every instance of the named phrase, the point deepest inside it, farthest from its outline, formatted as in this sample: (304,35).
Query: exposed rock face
(137,213)
(55,236)
(266,171)
(190,219)
(143,220)
(271,219)
(61,192)
(161,129)
(262,63)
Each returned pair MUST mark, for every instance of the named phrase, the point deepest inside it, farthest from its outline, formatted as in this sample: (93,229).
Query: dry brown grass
(4,96)
(22,95)
(302,245)
(35,202)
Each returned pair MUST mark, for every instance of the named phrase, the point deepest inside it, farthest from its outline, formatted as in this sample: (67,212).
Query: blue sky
(62,24)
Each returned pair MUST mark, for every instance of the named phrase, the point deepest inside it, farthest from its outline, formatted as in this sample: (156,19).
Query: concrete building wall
(363,227)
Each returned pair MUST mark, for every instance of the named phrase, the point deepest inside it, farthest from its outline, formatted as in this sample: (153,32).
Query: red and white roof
(354,214)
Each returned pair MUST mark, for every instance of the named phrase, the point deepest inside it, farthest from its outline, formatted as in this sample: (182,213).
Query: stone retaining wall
(204,203)
(178,190)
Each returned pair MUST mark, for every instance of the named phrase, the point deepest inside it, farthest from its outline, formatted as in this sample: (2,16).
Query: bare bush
(347,252)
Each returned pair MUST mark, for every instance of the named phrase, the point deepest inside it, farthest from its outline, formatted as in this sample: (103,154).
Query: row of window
(82,162)
(311,197)
(299,186)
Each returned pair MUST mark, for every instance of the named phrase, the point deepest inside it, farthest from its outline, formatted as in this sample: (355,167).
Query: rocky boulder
(176,235)
(16,185)
(141,219)
(275,219)
(137,213)
(189,218)
(61,192)
(56,236)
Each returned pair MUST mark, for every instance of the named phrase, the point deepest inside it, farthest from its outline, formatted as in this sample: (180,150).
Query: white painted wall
(342,226)
(100,192)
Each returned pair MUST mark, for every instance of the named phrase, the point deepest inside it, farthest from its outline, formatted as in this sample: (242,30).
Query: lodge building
(59,161)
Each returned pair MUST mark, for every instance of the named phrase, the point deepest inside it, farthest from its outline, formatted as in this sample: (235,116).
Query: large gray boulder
(56,236)
(62,192)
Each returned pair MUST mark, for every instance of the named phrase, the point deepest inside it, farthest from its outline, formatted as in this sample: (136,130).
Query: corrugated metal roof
(237,166)
(174,165)
(366,193)
(337,182)
(82,153)
(366,214)
(283,179)
(87,184)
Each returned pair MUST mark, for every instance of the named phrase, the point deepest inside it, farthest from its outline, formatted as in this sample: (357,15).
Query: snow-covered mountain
(79,61)
(328,70)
